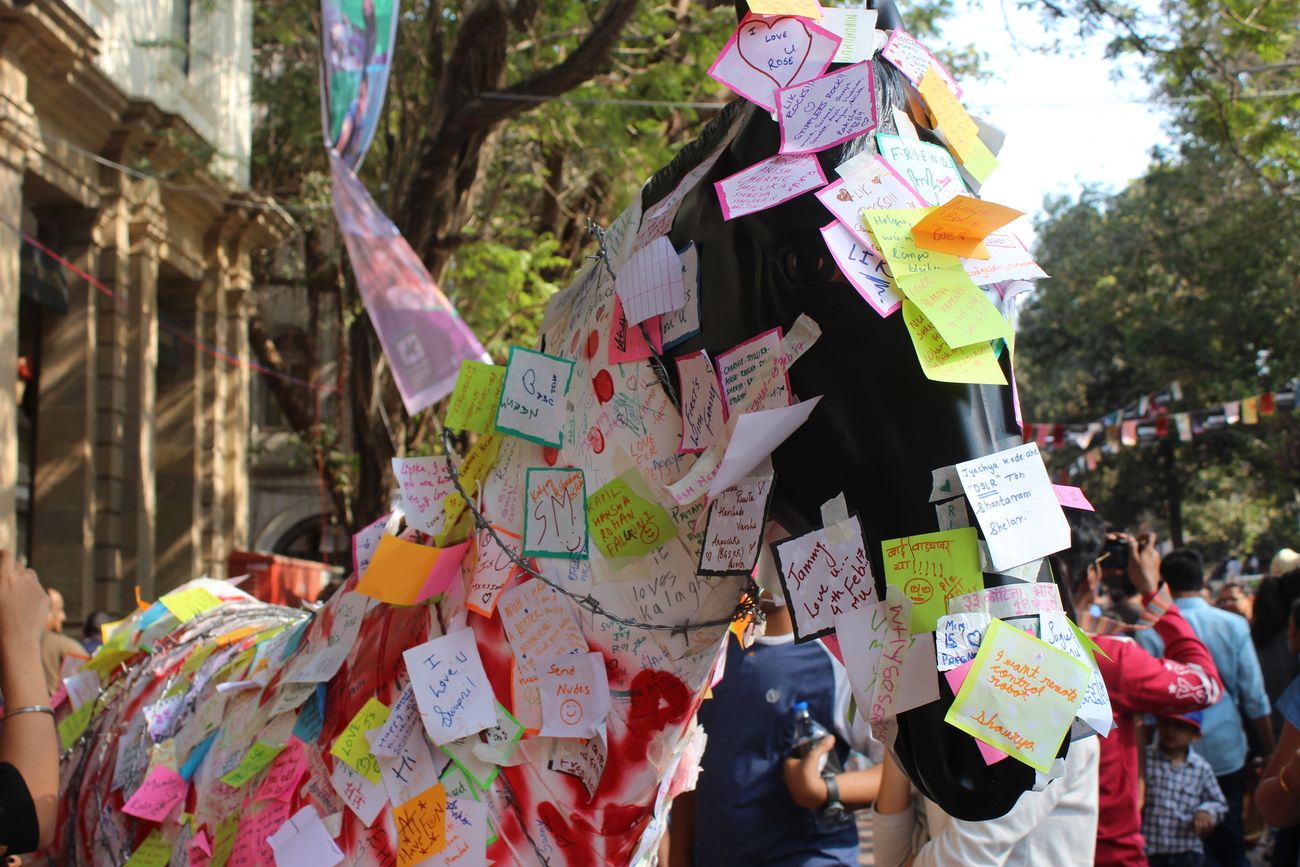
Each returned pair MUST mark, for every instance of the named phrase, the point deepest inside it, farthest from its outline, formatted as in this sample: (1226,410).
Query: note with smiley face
(932,568)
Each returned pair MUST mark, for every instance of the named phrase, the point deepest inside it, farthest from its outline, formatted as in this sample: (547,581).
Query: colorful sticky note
(932,568)
(282,776)
(926,168)
(824,573)
(259,755)
(351,745)
(74,724)
(975,363)
(802,8)
(633,342)
(160,793)
(399,570)
(189,603)
(421,826)
(892,231)
(154,851)
(1020,696)
(828,110)
(956,307)
(533,396)
(474,401)
(960,225)
(953,121)
(625,524)
(762,56)
(555,513)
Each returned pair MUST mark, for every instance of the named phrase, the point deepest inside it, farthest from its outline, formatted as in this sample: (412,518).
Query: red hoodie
(1184,680)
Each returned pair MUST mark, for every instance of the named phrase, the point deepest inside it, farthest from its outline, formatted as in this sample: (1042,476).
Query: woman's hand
(24,605)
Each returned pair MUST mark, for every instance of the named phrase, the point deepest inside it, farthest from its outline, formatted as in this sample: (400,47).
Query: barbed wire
(745,608)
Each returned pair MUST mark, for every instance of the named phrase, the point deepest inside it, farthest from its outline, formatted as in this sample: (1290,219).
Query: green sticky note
(74,724)
(153,852)
(931,569)
(474,402)
(957,307)
(1088,644)
(940,362)
(980,161)
(106,659)
(196,659)
(223,842)
(188,604)
(352,748)
(1020,695)
(892,229)
(624,524)
(259,755)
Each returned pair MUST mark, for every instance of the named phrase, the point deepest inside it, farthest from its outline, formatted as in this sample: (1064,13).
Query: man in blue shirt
(1223,738)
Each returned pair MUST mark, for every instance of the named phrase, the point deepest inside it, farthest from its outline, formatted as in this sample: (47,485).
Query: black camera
(1116,555)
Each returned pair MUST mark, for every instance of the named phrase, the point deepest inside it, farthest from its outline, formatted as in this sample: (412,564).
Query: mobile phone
(1116,555)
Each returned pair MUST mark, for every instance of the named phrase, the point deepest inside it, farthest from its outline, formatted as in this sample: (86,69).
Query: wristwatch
(834,808)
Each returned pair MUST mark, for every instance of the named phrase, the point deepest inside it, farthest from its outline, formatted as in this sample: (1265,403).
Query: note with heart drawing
(766,54)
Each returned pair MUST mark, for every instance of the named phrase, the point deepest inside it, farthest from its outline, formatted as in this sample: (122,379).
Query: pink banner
(423,337)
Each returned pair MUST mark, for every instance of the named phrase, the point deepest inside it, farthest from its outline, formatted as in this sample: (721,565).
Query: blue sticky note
(311,719)
(197,755)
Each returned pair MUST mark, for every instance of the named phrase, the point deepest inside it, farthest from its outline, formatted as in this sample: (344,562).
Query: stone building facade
(124,412)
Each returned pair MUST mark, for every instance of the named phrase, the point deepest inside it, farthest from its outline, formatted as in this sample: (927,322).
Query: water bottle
(807,734)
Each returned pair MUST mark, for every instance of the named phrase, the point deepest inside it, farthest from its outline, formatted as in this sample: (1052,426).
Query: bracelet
(31,708)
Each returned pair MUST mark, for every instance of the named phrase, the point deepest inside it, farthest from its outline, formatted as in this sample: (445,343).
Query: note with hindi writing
(683,323)
(768,183)
(161,792)
(764,55)
(704,413)
(975,363)
(1015,505)
(623,523)
(863,267)
(575,694)
(493,568)
(474,401)
(424,483)
(451,688)
(303,841)
(927,168)
(533,397)
(1020,695)
(827,110)
(650,281)
(421,826)
(932,568)
(555,514)
(733,534)
(754,374)
(352,747)
(960,225)
(824,572)
(633,342)
(361,796)
(913,59)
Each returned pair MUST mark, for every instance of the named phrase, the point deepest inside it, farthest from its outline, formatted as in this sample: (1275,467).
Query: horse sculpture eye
(807,263)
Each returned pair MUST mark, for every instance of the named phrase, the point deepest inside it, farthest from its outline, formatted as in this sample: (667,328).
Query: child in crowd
(1183,799)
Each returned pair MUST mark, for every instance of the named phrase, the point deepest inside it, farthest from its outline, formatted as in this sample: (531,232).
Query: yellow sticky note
(190,603)
(421,826)
(236,635)
(108,658)
(980,162)
(892,230)
(960,225)
(801,8)
(74,724)
(474,401)
(956,307)
(223,842)
(956,125)
(1020,695)
(975,363)
(932,568)
(153,852)
(397,571)
(479,461)
(259,755)
(351,746)
(624,524)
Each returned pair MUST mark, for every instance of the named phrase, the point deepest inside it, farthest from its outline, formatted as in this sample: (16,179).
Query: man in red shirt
(1184,680)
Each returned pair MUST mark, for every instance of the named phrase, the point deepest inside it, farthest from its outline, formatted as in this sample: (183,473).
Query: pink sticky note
(768,183)
(863,267)
(445,568)
(911,58)
(956,677)
(628,343)
(1068,495)
(200,843)
(281,779)
(828,110)
(832,643)
(159,794)
(60,695)
(765,54)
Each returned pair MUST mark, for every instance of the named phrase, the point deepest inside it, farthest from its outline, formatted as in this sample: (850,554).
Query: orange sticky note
(960,225)
(398,571)
(421,826)
(801,8)
(960,131)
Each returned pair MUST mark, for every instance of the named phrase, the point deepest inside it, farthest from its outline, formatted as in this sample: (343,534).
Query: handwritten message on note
(555,519)
(960,225)
(1020,696)
(754,374)
(352,746)
(856,29)
(763,55)
(896,639)
(957,639)
(932,568)
(364,543)
(539,622)
(650,281)
(1015,505)
(259,755)
(424,483)
(493,567)
(802,8)
(282,776)
(533,396)
(828,110)
(958,308)
(403,573)
(913,59)
(575,694)
(1095,710)
(582,759)
(633,342)
(188,604)
(768,183)
(160,793)
(863,267)
(866,186)
(892,232)
(733,535)
(1008,260)
(929,169)
(450,686)
(625,524)
(684,323)
(824,573)
(474,402)
(939,361)
(704,414)
(953,121)
(421,826)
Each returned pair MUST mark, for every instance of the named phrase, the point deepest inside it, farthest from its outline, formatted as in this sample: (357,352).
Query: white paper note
(650,281)
(704,415)
(303,841)
(757,435)
(450,686)
(1015,505)
(575,694)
